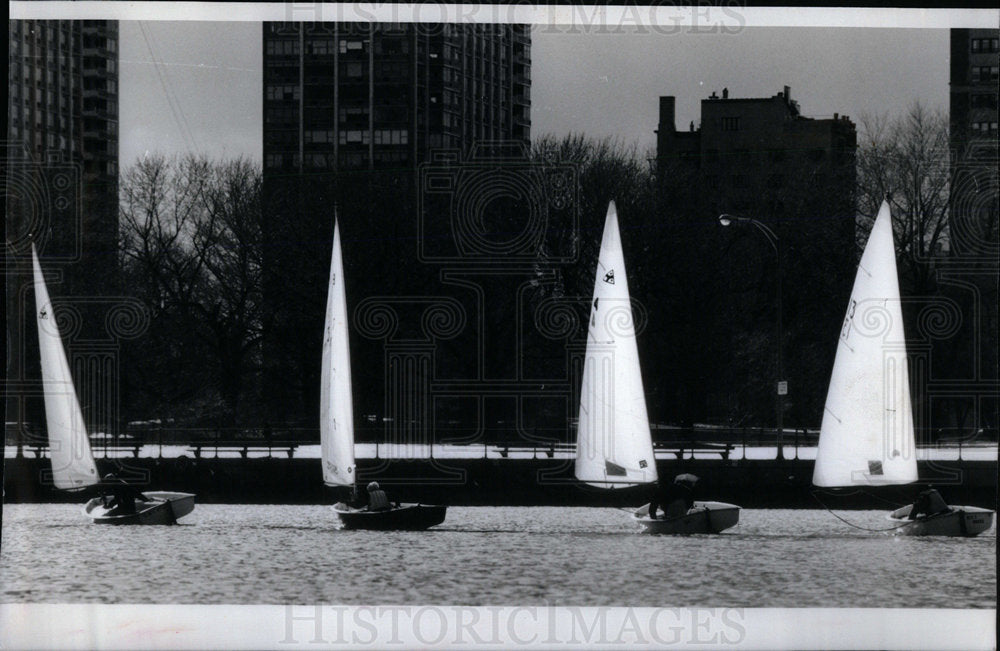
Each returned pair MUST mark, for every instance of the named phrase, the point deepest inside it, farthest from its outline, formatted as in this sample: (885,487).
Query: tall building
(973,133)
(349,96)
(971,275)
(61,160)
(351,112)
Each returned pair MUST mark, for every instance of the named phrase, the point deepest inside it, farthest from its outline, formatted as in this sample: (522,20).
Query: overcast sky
(197,85)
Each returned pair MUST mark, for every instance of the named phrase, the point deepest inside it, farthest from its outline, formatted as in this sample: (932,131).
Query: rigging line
(180,109)
(162,65)
(851,524)
(889,502)
(171,101)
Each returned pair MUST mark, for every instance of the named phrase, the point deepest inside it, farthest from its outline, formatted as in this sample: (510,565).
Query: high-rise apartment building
(63,112)
(975,54)
(351,111)
(61,157)
(349,96)
(971,274)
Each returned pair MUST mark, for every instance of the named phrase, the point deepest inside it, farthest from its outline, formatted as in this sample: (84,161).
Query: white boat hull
(160,507)
(703,518)
(960,521)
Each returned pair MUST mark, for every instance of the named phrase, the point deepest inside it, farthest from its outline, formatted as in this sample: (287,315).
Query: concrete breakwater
(750,483)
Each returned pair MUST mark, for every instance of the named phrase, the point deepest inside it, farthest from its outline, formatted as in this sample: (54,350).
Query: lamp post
(781,388)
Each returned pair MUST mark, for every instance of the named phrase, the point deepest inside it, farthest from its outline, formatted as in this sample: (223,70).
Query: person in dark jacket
(377,499)
(929,502)
(122,494)
(675,499)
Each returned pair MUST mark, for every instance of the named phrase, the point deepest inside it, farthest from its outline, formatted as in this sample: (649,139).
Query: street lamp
(782,387)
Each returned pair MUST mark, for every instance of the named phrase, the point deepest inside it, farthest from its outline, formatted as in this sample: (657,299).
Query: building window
(353,69)
(985,127)
(984,100)
(317,160)
(318,137)
(352,160)
(320,46)
(283,47)
(354,114)
(392,137)
(354,136)
(984,45)
(984,73)
(391,157)
(392,46)
(390,70)
(731,124)
(283,92)
(353,46)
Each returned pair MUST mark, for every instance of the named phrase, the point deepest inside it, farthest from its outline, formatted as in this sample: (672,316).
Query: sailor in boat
(929,502)
(119,495)
(377,499)
(676,498)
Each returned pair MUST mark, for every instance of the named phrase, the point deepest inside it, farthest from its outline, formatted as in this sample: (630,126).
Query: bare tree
(191,246)
(905,160)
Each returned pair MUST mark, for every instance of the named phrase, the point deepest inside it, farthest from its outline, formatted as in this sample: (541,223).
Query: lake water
(229,554)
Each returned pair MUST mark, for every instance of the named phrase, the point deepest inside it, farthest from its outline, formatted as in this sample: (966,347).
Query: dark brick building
(752,153)
(759,158)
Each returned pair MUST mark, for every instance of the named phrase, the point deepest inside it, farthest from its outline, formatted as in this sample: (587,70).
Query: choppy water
(229,554)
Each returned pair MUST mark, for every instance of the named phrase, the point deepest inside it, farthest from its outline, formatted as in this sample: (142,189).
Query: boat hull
(404,517)
(703,518)
(160,507)
(960,521)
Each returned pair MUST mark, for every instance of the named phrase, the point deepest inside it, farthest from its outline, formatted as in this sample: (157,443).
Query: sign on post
(783,388)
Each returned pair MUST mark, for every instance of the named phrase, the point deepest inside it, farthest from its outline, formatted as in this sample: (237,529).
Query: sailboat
(867,436)
(614,445)
(73,466)
(336,411)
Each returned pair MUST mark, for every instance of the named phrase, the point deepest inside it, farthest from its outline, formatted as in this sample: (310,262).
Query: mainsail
(72,461)
(614,446)
(867,431)
(336,411)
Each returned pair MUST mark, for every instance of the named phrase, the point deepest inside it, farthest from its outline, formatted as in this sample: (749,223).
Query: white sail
(72,460)
(336,410)
(614,446)
(867,432)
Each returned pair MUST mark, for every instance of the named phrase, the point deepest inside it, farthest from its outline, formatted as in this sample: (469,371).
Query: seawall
(510,482)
